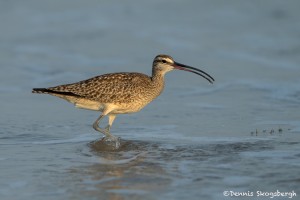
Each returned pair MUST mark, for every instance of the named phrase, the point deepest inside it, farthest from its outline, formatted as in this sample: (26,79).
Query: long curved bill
(194,70)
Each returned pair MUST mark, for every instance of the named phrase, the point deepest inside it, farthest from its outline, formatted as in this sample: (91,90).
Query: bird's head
(164,63)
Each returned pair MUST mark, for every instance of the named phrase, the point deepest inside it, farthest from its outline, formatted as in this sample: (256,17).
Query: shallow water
(196,141)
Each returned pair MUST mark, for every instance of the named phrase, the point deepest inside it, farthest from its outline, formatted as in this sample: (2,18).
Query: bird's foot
(112,141)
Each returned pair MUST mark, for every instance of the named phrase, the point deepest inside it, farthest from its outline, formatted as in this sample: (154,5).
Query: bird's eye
(164,61)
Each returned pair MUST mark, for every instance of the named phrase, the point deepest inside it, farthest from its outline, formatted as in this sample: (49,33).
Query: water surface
(195,141)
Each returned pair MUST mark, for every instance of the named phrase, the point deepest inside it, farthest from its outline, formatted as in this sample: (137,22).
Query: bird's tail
(53,92)
(40,90)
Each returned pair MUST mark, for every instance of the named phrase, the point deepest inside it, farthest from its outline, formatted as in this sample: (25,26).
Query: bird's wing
(107,88)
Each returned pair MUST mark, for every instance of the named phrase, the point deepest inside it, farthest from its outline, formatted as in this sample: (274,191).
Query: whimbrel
(119,93)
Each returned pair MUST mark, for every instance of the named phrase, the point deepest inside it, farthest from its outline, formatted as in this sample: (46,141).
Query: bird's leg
(111,118)
(106,130)
(97,128)
(109,139)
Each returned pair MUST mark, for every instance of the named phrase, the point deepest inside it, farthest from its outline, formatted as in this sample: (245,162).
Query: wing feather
(107,88)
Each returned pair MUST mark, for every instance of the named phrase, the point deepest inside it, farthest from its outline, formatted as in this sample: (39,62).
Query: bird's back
(111,88)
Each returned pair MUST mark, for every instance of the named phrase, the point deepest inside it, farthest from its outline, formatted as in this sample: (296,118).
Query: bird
(119,93)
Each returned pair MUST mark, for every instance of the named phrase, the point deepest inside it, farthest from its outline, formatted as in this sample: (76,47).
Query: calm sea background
(195,141)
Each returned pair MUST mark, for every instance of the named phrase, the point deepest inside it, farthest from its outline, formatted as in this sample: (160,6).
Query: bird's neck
(157,77)
(158,81)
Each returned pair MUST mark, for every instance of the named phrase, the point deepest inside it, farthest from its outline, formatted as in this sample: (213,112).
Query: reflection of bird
(119,93)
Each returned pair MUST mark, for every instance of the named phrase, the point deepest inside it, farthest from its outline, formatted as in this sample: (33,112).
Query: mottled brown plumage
(114,88)
(119,93)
